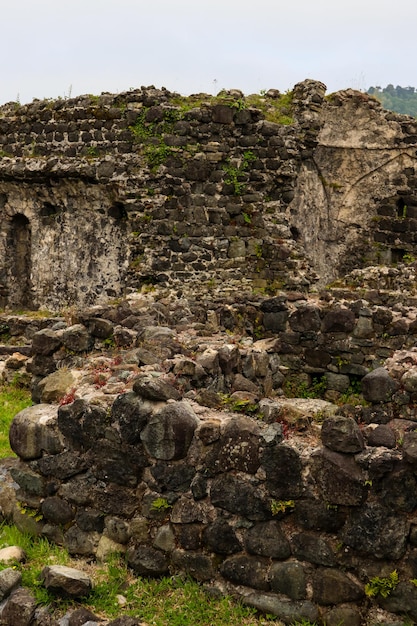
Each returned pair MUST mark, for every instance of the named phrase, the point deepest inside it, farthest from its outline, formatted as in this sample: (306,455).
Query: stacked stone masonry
(236,222)
(295,510)
(100,195)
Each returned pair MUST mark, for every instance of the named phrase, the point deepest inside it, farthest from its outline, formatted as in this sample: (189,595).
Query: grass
(174,600)
(12,400)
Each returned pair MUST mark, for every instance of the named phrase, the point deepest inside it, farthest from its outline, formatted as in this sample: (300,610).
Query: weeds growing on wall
(150,135)
(296,388)
(235,173)
(382,586)
(277,110)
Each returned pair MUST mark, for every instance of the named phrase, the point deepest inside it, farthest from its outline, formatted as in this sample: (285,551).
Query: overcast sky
(51,48)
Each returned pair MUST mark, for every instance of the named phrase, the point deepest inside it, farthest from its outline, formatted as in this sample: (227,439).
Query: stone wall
(113,192)
(295,510)
(101,195)
(295,528)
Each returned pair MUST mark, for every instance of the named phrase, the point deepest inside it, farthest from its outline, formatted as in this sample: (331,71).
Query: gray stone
(246,570)
(378,386)
(19,608)
(12,553)
(164,538)
(229,358)
(46,342)
(311,548)
(34,431)
(272,434)
(282,465)
(238,448)
(170,431)
(256,364)
(130,415)
(77,338)
(289,579)
(286,610)
(338,321)
(186,511)
(82,424)
(209,431)
(209,360)
(146,561)
(240,383)
(57,511)
(410,447)
(99,327)
(409,380)
(364,327)
(399,491)
(61,466)
(10,579)
(342,434)
(337,382)
(275,321)
(343,615)
(81,617)
(402,600)
(305,319)
(220,538)
(339,478)
(80,542)
(107,547)
(66,581)
(382,435)
(124,337)
(155,389)
(331,586)
(239,496)
(373,530)
(117,529)
(56,385)
(196,564)
(268,539)
(30,482)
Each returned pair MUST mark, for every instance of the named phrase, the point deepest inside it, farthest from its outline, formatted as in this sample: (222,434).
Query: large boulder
(169,432)
(342,434)
(56,385)
(67,581)
(34,431)
(378,386)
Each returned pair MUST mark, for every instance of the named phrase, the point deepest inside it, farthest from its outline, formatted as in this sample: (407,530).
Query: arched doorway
(19,249)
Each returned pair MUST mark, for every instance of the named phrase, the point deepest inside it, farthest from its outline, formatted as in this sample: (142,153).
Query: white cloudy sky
(51,48)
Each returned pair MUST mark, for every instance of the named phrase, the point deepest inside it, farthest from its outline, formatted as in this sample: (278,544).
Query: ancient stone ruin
(228,385)
(99,195)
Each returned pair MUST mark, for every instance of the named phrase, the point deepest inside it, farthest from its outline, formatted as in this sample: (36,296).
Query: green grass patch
(12,400)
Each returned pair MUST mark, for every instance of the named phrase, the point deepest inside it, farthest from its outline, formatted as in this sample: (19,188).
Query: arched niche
(20,259)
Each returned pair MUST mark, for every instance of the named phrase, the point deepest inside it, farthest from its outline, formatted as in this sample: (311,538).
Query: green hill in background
(398,99)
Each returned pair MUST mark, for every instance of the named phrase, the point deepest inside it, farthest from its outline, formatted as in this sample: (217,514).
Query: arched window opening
(397,255)
(295,233)
(401,208)
(49,210)
(20,258)
(118,211)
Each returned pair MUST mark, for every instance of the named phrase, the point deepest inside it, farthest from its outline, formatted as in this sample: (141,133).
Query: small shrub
(160,504)
(68,398)
(382,586)
(281,506)
(295,388)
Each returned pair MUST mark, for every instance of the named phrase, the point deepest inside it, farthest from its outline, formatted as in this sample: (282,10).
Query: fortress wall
(101,195)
